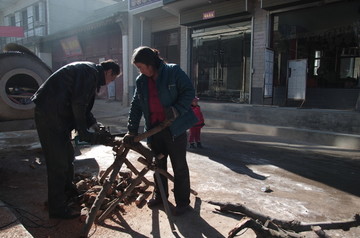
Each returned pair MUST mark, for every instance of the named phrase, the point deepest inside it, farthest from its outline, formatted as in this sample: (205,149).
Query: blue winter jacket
(174,89)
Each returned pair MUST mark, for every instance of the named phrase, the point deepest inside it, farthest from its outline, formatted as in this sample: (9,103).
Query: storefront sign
(71,46)
(140,3)
(238,8)
(208,15)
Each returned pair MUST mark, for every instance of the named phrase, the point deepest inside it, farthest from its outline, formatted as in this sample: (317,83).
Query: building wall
(66,13)
(17,6)
(259,45)
(54,16)
(141,28)
(165,23)
(96,45)
(184,49)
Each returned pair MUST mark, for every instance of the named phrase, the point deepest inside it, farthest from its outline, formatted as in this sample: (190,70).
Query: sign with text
(71,46)
(269,67)
(297,79)
(133,4)
(208,15)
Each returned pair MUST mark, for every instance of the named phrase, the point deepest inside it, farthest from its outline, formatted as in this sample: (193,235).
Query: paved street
(309,183)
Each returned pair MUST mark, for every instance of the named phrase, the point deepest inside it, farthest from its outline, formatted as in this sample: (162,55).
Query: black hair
(111,64)
(147,56)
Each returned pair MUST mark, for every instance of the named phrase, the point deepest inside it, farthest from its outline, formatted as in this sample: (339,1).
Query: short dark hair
(147,56)
(111,64)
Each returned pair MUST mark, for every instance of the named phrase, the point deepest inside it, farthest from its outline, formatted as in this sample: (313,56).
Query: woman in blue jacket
(164,91)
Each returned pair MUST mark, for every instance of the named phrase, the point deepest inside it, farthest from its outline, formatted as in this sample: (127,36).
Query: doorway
(221,62)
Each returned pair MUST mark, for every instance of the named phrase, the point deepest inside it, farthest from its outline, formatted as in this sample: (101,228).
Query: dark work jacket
(174,89)
(68,95)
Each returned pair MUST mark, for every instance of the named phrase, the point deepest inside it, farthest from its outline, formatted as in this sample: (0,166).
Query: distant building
(60,32)
(265,52)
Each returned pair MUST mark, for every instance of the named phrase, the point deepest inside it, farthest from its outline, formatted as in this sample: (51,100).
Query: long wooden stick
(261,231)
(295,226)
(127,191)
(102,194)
(152,131)
(120,158)
(163,172)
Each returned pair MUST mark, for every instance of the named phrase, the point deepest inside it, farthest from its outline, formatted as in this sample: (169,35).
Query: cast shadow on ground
(225,153)
(237,152)
(123,226)
(190,224)
(199,227)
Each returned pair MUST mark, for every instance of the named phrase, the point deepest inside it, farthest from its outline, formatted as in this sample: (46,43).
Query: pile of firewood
(90,186)
(267,227)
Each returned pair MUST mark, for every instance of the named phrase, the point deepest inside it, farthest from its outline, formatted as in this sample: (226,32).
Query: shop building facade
(94,42)
(317,44)
(210,41)
(286,53)
(298,53)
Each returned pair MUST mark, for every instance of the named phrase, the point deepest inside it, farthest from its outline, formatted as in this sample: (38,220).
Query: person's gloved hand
(96,126)
(96,138)
(171,113)
(102,138)
(128,139)
(85,136)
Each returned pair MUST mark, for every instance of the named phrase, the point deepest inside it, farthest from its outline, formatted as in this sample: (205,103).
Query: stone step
(327,127)
(327,138)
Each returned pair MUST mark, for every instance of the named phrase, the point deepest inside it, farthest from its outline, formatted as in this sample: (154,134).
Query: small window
(36,13)
(24,19)
(12,21)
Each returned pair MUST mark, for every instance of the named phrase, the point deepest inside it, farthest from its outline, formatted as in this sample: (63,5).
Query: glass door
(220,64)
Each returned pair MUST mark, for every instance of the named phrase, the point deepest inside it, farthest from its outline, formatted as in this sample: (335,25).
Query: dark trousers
(194,135)
(164,143)
(59,156)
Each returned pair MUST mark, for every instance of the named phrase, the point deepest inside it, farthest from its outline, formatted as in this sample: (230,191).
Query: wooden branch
(153,131)
(261,230)
(289,225)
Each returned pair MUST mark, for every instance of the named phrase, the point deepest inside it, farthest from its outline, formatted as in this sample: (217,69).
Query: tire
(21,75)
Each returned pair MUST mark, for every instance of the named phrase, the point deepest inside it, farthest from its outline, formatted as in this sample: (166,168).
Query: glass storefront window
(220,63)
(323,35)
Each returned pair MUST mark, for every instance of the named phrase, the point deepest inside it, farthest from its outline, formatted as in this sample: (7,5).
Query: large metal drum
(21,74)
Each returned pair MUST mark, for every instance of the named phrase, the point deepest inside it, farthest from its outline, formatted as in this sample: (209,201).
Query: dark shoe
(154,202)
(192,146)
(72,193)
(198,144)
(68,213)
(180,210)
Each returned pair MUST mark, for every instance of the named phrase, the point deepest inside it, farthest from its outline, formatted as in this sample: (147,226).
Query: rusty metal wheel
(21,74)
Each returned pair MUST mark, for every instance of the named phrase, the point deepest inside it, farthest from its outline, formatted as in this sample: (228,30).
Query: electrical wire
(26,218)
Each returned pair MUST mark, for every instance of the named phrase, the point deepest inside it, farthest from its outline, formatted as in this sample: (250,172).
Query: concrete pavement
(114,115)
